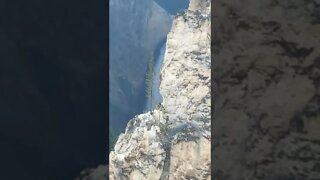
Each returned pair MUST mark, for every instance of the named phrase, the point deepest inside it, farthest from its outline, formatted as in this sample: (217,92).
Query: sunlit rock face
(173,142)
(198,4)
(267,75)
(136,28)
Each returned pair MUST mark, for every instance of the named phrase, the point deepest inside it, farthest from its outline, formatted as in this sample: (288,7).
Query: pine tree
(149,81)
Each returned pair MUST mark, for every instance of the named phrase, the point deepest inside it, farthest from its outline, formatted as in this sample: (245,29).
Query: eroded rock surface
(267,96)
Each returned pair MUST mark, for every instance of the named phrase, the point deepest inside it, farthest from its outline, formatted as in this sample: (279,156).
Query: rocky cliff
(136,28)
(173,142)
(267,97)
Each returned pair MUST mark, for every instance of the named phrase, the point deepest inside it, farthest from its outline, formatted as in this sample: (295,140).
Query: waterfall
(157,98)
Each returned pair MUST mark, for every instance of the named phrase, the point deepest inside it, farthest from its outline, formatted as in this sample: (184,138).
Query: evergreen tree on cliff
(149,81)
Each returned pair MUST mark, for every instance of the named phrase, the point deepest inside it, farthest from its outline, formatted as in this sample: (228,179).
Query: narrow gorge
(136,29)
(174,141)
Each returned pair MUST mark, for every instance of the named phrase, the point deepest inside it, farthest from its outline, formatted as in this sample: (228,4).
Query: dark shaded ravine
(139,104)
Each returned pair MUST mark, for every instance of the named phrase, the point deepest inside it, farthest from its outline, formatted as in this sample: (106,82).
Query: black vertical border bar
(21,24)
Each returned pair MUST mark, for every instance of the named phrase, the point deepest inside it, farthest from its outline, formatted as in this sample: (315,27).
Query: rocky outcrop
(136,28)
(174,141)
(267,96)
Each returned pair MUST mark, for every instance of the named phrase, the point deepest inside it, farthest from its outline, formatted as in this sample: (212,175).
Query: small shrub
(163,128)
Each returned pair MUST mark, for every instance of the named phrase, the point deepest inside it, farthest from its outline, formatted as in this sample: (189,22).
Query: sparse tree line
(149,80)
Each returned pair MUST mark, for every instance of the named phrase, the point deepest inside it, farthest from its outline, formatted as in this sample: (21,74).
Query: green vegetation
(163,126)
(149,81)
(160,107)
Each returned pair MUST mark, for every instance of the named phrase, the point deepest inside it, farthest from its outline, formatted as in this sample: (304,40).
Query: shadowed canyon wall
(136,28)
